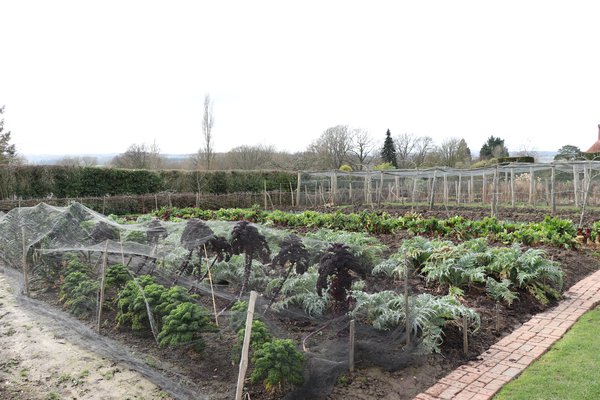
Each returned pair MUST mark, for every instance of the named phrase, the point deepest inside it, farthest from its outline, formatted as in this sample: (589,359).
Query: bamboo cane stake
(212,290)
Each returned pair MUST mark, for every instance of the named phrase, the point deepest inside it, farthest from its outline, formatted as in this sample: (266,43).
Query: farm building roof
(596,146)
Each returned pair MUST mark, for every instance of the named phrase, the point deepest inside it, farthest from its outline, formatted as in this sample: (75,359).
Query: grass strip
(569,370)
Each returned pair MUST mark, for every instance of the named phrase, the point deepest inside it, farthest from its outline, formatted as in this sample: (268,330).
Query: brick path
(481,379)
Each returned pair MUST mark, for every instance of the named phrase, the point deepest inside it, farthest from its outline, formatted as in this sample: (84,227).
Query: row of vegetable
(551,230)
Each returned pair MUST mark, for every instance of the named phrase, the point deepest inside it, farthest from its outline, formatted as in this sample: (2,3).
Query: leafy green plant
(117,276)
(132,302)
(258,336)
(500,291)
(454,266)
(278,364)
(300,290)
(78,291)
(237,315)
(428,314)
(183,325)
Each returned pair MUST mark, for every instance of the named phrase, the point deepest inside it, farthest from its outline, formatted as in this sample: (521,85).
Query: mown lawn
(569,370)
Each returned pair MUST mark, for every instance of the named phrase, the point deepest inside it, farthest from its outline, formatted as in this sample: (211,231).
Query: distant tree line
(338,147)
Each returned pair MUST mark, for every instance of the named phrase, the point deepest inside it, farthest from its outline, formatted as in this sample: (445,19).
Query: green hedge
(39,181)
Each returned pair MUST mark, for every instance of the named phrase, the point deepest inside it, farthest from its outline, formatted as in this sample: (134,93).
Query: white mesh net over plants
(72,248)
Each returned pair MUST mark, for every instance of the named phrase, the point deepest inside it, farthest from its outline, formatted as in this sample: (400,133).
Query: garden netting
(43,238)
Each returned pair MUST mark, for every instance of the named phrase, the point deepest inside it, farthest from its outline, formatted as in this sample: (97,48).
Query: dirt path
(38,362)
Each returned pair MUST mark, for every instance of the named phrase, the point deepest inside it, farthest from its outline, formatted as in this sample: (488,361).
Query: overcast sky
(81,77)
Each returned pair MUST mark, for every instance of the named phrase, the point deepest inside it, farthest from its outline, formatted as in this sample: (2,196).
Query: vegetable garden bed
(315,272)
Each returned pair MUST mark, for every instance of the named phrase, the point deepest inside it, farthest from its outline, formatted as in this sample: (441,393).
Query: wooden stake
(25,266)
(497,316)
(414,190)
(265,194)
(459,189)
(245,347)
(512,187)
(334,188)
(576,184)
(484,189)
(351,346)
(297,188)
(102,279)
(553,191)
(432,191)
(445,189)
(531,186)
(466,335)
(407,321)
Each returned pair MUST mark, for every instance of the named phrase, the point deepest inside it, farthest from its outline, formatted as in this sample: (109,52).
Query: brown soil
(212,372)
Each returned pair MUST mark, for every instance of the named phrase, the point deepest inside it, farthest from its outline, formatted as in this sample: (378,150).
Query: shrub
(258,336)
(184,324)
(278,364)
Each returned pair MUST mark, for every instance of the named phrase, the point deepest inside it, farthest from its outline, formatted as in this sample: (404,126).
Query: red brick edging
(481,379)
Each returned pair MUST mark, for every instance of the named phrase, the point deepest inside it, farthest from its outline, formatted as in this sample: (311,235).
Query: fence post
(298,188)
(431,202)
(471,188)
(531,186)
(458,188)
(575,184)
(512,187)
(334,188)
(484,189)
(552,190)
(414,191)
(445,188)
(495,193)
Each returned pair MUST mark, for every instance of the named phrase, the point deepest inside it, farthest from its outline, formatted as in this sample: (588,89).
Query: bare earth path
(38,362)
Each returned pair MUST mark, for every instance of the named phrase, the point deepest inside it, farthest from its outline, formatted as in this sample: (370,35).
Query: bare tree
(424,145)
(406,145)
(139,156)
(361,148)
(251,157)
(331,150)
(454,151)
(207,152)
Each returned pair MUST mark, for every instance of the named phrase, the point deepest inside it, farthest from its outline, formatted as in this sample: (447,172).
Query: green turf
(569,370)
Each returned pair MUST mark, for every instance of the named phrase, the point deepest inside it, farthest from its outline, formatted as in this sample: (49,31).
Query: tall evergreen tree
(388,152)
(7,151)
